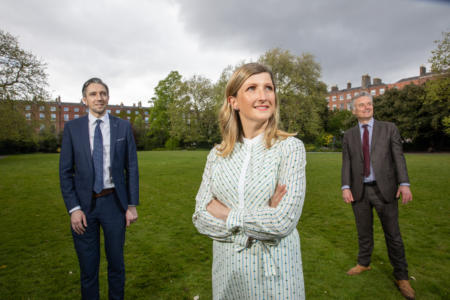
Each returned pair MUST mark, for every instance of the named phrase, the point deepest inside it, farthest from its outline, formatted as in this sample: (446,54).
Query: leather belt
(372,183)
(103,193)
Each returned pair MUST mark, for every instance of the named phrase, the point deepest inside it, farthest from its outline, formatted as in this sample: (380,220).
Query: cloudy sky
(132,44)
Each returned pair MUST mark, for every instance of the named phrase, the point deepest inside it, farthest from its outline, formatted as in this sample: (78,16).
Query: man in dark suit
(100,186)
(374,175)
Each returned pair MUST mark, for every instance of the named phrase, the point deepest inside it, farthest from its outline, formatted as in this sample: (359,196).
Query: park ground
(167,259)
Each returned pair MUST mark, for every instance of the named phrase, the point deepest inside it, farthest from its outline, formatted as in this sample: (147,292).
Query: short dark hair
(93,80)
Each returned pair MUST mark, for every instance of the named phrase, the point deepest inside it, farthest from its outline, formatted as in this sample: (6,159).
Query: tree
(16,135)
(300,92)
(438,89)
(418,120)
(166,92)
(22,75)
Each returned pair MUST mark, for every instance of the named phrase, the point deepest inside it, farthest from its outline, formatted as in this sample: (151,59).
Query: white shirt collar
(370,123)
(254,140)
(93,119)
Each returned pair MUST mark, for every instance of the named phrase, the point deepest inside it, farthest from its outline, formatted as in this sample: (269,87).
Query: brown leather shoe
(406,289)
(358,269)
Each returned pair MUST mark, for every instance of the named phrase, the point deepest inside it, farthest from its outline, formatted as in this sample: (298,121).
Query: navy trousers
(107,213)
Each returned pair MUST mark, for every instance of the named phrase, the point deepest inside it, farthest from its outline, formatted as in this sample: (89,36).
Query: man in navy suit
(100,185)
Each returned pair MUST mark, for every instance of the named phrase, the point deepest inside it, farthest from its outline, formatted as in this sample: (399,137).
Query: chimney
(121,103)
(334,88)
(349,85)
(365,81)
(423,70)
(139,104)
(376,81)
(134,104)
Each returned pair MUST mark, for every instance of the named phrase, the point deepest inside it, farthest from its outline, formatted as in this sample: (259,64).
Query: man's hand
(405,191)
(131,215)
(78,221)
(280,191)
(218,209)
(347,196)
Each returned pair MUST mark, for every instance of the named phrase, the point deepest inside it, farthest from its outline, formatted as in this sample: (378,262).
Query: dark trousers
(388,215)
(107,213)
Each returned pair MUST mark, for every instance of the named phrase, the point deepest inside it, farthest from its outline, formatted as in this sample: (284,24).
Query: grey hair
(362,94)
(93,80)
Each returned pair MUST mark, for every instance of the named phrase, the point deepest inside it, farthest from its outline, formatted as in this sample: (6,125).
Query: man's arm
(400,166)
(67,183)
(67,172)
(132,172)
(346,171)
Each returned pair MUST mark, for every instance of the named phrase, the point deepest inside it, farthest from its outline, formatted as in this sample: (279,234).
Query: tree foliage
(419,120)
(440,59)
(22,75)
(300,92)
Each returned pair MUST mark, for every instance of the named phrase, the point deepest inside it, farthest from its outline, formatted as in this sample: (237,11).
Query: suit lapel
(86,143)
(356,133)
(113,135)
(375,136)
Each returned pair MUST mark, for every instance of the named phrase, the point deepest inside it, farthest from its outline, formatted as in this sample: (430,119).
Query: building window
(41,127)
(128,118)
(117,111)
(356,94)
(66,109)
(146,112)
(381,91)
(128,111)
(76,109)
(349,96)
(349,106)
(41,116)
(41,108)
(53,116)
(341,97)
(334,106)
(136,112)
(53,108)
(341,106)
(28,107)
(334,98)
(76,116)
(146,119)
(66,117)
(108,111)
(28,116)
(373,92)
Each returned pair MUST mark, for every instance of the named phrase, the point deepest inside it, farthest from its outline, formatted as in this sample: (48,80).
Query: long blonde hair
(229,120)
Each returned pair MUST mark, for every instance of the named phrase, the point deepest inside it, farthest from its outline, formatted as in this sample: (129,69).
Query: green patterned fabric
(257,250)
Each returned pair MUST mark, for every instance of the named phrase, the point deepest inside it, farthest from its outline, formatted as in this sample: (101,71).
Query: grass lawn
(166,258)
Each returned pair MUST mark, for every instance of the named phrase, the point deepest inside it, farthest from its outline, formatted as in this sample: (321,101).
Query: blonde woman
(251,195)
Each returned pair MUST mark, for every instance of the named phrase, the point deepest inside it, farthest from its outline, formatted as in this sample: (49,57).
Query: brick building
(57,113)
(342,99)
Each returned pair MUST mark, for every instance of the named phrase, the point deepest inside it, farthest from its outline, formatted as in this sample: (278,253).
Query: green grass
(167,259)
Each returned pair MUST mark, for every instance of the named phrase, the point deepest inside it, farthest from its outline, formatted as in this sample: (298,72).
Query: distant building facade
(57,113)
(342,99)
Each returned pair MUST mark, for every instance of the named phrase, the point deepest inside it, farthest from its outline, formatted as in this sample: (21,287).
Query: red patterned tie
(366,151)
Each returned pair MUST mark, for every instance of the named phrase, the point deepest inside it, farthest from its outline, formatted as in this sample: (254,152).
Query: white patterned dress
(256,252)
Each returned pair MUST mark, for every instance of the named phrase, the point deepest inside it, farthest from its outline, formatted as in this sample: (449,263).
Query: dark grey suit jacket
(386,155)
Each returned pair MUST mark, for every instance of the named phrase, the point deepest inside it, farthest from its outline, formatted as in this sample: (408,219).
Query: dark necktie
(97,157)
(366,151)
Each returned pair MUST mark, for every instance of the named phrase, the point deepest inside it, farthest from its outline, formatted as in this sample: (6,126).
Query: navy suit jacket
(76,169)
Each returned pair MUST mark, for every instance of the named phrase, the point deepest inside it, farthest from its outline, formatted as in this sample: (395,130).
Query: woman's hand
(278,195)
(218,209)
